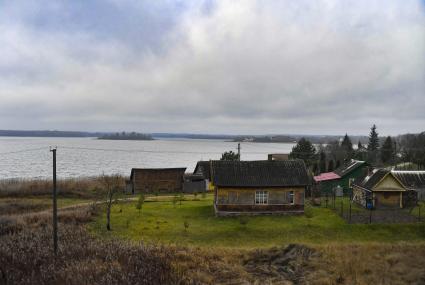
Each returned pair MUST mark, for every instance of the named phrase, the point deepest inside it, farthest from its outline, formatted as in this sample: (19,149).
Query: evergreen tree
(373,145)
(338,164)
(359,145)
(304,150)
(387,151)
(322,163)
(331,166)
(347,147)
(229,155)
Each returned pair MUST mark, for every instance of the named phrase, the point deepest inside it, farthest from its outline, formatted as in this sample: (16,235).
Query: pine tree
(359,146)
(347,147)
(331,166)
(304,150)
(322,164)
(387,151)
(373,145)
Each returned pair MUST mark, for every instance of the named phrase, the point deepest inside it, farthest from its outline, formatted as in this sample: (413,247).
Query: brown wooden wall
(387,199)
(157,181)
(246,196)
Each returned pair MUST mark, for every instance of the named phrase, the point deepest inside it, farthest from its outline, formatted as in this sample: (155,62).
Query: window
(261,197)
(291,197)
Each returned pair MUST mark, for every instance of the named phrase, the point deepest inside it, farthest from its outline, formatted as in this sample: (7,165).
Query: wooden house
(203,168)
(259,187)
(343,176)
(157,180)
(383,188)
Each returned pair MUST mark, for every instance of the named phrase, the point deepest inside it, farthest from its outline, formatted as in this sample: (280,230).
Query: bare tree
(112,184)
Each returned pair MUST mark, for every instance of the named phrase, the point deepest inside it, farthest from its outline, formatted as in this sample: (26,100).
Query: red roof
(326,176)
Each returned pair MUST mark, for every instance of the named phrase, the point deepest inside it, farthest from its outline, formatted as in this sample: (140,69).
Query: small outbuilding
(156,180)
(194,183)
(383,189)
(259,187)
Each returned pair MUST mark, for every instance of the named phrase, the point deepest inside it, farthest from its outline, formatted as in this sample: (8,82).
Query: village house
(259,187)
(203,168)
(343,176)
(156,180)
(383,188)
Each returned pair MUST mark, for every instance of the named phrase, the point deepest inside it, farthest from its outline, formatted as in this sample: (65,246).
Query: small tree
(175,200)
(229,155)
(186,225)
(140,202)
(181,197)
(111,184)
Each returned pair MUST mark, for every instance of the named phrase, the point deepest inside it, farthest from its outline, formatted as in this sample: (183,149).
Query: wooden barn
(259,187)
(156,180)
(383,188)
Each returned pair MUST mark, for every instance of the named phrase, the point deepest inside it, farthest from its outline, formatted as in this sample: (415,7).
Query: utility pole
(239,151)
(55,205)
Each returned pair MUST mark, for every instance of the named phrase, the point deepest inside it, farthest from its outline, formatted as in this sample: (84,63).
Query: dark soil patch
(285,265)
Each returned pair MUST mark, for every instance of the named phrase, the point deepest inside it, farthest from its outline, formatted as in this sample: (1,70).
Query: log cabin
(156,180)
(259,187)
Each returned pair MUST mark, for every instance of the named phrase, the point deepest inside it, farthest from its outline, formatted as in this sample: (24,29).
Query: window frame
(291,197)
(261,197)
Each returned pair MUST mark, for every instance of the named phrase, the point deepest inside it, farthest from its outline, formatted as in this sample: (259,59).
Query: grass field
(161,221)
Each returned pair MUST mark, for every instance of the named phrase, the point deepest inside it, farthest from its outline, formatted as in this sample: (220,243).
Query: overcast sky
(312,67)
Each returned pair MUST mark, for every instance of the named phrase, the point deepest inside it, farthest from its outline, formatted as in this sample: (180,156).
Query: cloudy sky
(313,67)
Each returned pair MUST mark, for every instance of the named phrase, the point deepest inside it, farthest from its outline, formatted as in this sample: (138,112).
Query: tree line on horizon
(404,151)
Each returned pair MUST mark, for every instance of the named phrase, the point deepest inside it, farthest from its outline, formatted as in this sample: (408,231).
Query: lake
(30,157)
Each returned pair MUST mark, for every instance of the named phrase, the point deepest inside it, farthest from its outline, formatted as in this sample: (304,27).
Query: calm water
(90,157)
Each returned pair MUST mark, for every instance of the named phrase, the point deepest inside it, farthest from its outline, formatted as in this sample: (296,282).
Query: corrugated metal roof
(348,167)
(326,176)
(368,181)
(413,180)
(262,173)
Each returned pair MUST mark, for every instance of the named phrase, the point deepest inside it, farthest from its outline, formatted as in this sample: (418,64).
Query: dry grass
(76,188)
(400,263)
(26,254)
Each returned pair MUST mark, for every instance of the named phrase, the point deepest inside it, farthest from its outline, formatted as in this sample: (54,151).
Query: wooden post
(370,215)
(55,206)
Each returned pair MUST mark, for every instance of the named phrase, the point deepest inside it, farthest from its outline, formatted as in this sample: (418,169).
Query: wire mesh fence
(354,213)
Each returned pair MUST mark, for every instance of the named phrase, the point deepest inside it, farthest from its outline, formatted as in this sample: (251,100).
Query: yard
(194,223)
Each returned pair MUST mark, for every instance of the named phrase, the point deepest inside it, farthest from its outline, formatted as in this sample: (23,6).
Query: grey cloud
(235,66)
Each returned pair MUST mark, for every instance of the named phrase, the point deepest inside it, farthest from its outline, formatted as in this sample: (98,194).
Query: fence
(354,213)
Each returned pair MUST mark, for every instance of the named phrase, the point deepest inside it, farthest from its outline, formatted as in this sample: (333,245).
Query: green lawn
(164,222)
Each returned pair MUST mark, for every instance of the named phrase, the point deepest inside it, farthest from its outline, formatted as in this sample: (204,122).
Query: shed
(157,180)
(194,183)
(383,188)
